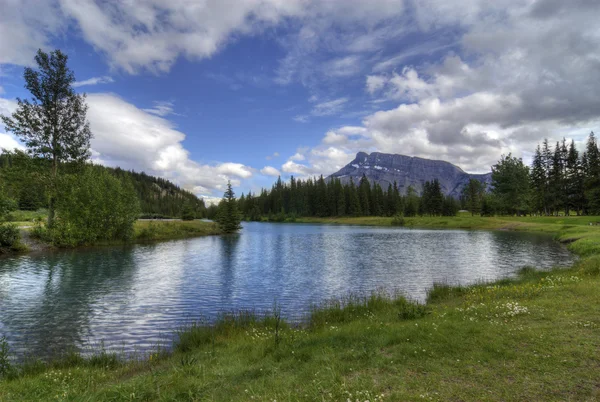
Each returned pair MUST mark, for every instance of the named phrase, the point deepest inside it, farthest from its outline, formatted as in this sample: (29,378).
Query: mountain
(407,171)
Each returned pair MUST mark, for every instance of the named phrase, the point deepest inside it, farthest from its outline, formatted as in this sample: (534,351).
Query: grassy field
(536,337)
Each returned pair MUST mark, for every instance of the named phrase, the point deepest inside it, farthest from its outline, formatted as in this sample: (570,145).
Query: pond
(133,298)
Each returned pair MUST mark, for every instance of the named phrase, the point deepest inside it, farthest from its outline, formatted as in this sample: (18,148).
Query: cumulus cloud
(519,74)
(474,78)
(94,81)
(132,138)
(8,142)
(270,171)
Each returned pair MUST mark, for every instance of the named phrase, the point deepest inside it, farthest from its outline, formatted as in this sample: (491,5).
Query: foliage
(5,365)
(510,185)
(94,206)
(398,220)
(473,195)
(9,235)
(53,123)
(228,216)
(187,212)
(24,179)
(6,205)
(157,230)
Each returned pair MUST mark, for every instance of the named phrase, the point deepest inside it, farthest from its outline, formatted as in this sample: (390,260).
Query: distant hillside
(407,171)
(23,179)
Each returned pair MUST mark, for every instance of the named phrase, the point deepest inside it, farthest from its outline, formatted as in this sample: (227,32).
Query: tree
(473,194)
(510,185)
(411,205)
(187,212)
(592,175)
(575,190)
(53,123)
(539,182)
(228,216)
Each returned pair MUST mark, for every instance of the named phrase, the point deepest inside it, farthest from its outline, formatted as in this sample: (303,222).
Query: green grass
(536,337)
(167,230)
(27,217)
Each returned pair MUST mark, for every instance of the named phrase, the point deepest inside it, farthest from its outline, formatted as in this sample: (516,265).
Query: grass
(535,337)
(167,230)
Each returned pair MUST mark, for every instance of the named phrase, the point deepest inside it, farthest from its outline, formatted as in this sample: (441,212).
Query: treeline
(561,180)
(322,198)
(25,179)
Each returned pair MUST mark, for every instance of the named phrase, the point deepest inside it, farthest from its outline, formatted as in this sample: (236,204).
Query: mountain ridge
(384,169)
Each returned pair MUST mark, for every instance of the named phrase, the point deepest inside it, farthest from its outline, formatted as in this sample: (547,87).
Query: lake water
(131,298)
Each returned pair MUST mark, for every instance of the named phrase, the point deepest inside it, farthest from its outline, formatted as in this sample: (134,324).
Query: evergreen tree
(228,216)
(364,195)
(539,182)
(53,123)
(411,205)
(592,175)
(510,185)
(473,194)
(575,178)
(354,207)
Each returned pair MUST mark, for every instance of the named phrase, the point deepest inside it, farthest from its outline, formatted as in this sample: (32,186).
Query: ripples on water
(132,298)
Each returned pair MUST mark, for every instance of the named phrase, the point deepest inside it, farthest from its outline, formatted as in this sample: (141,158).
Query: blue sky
(245,90)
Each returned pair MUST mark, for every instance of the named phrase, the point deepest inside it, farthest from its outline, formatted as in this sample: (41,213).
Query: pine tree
(575,190)
(228,216)
(364,195)
(592,175)
(539,182)
(353,199)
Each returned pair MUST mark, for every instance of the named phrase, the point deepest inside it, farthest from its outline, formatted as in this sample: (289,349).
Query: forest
(560,181)
(24,179)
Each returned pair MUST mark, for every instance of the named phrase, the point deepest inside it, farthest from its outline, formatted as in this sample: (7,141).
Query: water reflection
(134,297)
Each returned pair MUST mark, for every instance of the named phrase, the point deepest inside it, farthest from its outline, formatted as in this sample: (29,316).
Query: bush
(9,235)
(398,220)
(94,206)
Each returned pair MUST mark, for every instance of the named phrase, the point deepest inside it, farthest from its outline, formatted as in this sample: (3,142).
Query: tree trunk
(51,204)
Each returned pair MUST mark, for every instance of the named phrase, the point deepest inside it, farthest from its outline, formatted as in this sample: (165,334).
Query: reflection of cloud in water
(137,296)
(59,290)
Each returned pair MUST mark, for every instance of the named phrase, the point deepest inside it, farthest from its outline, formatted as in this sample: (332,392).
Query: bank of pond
(524,334)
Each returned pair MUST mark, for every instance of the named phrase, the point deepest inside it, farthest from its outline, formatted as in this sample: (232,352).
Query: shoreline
(466,342)
(146,231)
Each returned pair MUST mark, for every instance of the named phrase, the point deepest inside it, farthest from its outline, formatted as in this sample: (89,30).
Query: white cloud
(132,138)
(375,83)
(94,81)
(329,108)
(161,108)
(275,155)
(9,143)
(301,118)
(270,171)
(297,157)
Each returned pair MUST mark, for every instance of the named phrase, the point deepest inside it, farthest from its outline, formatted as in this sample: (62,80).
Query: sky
(202,92)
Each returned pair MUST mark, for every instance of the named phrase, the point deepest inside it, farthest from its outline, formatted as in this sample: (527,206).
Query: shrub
(398,220)
(9,235)
(94,206)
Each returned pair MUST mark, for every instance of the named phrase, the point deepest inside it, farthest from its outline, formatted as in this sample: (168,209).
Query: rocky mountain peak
(407,171)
